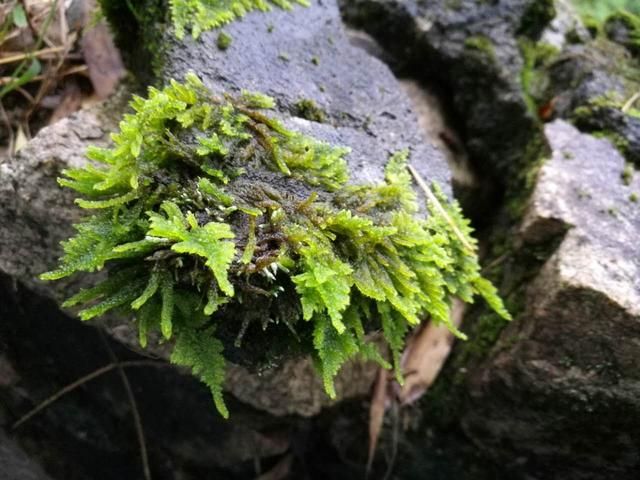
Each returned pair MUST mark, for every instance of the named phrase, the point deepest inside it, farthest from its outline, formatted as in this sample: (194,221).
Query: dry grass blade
(433,199)
(629,103)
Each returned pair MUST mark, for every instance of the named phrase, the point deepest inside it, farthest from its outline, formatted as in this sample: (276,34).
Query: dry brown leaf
(425,355)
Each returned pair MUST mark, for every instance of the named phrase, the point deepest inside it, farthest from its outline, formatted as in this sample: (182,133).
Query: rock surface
(559,396)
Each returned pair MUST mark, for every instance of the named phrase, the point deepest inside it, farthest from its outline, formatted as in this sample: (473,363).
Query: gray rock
(471,48)
(305,54)
(559,396)
(590,83)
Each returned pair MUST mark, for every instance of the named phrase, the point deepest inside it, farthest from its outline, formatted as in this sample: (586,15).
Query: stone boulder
(559,395)
(473,51)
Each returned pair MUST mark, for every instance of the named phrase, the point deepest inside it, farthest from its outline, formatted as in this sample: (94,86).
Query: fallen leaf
(103,59)
(425,355)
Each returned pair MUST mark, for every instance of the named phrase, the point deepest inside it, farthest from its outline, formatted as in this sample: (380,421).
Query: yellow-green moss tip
(197,16)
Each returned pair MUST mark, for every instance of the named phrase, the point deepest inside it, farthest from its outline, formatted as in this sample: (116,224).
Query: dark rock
(558,397)
(305,55)
(590,84)
(472,49)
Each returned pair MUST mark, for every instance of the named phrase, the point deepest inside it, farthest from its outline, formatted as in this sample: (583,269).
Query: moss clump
(205,204)
(201,15)
(307,109)
(224,40)
(481,44)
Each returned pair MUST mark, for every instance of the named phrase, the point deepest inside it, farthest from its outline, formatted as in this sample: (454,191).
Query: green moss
(224,40)
(315,60)
(633,198)
(205,204)
(306,108)
(537,57)
(135,25)
(481,44)
(630,24)
(627,173)
(519,189)
(599,10)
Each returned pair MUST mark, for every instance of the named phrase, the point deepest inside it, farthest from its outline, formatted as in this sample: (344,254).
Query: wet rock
(558,397)
(472,49)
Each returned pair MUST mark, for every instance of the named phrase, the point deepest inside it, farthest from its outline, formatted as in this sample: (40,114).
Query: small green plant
(224,40)
(205,200)
(201,15)
(309,110)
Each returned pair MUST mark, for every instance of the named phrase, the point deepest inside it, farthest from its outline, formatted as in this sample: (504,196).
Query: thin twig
(434,200)
(23,56)
(78,383)
(144,456)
